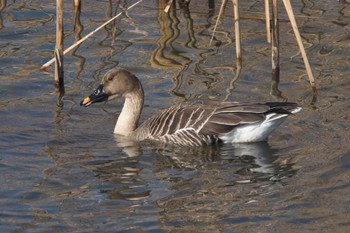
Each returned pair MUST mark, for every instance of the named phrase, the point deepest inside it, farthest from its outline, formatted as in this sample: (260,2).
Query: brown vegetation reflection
(176,53)
(2,6)
(166,56)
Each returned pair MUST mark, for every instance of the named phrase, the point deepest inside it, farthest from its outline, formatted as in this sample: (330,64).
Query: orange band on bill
(86,100)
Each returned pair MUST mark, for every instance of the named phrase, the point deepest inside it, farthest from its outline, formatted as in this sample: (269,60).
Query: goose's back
(206,122)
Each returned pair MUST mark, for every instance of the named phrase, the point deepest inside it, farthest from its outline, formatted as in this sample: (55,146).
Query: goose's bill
(97,96)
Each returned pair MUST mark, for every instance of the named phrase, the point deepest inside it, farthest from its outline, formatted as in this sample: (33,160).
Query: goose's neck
(129,117)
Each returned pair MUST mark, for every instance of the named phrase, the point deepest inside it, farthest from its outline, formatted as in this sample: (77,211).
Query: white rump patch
(254,132)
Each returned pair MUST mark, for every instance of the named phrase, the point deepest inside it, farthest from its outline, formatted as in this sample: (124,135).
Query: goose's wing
(224,120)
(230,115)
(201,122)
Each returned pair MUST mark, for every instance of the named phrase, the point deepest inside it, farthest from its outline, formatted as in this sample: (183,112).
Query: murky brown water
(63,170)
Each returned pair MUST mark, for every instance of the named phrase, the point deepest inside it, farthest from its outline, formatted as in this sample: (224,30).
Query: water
(63,170)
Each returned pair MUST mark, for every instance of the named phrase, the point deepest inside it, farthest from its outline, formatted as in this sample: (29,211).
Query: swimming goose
(190,124)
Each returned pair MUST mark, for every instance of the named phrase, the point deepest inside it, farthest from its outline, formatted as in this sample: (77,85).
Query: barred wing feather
(201,123)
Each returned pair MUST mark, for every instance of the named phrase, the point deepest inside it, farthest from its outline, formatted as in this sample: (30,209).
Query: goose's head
(115,83)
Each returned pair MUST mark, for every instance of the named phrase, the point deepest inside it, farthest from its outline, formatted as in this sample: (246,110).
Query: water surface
(63,170)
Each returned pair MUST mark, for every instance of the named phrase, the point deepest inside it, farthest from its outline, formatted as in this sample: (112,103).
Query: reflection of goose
(130,147)
(263,155)
(192,124)
(259,157)
(258,154)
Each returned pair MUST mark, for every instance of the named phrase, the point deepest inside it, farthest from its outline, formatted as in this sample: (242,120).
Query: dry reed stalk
(167,8)
(217,21)
(237,27)
(237,30)
(77,3)
(290,13)
(275,43)
(77,8)
(267,20)
(58,81)
(59,74)
(88,35)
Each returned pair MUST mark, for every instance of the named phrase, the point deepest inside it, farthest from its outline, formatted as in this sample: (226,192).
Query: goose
(194,123)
